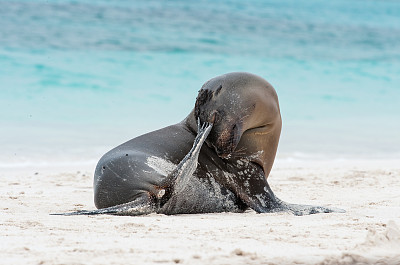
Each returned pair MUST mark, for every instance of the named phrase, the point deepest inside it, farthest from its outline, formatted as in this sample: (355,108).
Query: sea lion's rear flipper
(142,204)
(185,169)
(146,203)
(177,183)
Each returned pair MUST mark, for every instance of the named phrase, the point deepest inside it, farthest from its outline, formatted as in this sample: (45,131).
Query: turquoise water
(79,77)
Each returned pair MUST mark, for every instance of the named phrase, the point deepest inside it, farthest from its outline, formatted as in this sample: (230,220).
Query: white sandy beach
(368,233)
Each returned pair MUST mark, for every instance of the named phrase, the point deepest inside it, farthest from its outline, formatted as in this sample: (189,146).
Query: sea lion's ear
(218,90)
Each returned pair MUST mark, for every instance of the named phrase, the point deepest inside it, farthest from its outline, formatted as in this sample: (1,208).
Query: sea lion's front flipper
(253,189)
(267,202)
(250,185)
(302,209)
(142,204)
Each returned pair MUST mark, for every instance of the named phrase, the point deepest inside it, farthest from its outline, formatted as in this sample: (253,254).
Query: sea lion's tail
(141,205)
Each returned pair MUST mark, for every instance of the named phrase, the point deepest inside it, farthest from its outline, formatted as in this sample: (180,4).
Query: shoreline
(295,159)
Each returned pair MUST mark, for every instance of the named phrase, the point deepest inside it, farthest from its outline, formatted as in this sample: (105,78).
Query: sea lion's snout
(225,134)
(225,139)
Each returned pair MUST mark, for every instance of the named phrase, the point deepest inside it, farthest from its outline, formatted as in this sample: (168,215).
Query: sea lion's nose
(224,156)
(213,117)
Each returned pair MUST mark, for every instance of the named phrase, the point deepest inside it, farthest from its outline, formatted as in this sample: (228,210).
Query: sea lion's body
(140,165)
(164,172)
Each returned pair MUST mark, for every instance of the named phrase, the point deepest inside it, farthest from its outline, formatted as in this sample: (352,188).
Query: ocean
(80,77)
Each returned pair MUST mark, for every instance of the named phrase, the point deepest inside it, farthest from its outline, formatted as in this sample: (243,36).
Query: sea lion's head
(234,103)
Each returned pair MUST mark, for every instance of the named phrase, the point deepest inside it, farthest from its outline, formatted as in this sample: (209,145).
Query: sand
(368,233)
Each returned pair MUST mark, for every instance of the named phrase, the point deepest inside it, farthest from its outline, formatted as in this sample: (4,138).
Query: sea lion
(237,115)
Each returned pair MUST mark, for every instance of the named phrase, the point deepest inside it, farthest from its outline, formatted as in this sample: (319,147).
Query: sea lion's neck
(190,122)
